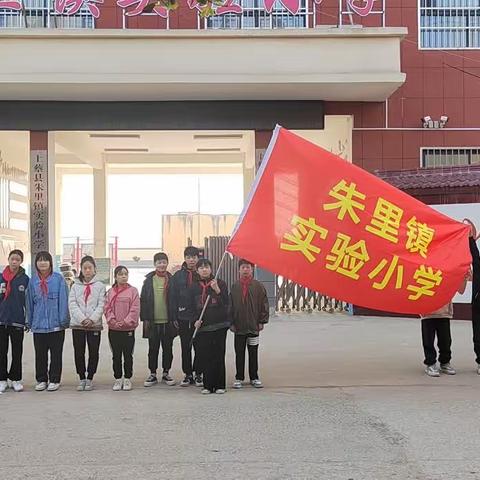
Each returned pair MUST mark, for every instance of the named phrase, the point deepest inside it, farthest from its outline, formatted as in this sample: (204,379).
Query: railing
(291,296)
(41,14)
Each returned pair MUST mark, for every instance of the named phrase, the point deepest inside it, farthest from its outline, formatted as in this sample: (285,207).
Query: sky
(135,203)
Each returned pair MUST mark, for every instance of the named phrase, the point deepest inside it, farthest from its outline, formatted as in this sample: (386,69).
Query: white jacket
(92,309)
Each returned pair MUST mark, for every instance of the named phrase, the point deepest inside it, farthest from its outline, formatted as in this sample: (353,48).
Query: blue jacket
(47,313)
(12,309)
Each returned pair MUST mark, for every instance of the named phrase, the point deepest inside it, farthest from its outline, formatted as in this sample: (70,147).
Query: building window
(450,157)
(41,14)
(451,24)
(254,15)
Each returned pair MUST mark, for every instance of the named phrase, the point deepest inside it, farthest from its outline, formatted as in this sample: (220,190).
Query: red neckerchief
(190,277)
(165,285)
(245,283)
(44,282)
(117,290)
(204,284)
(88,291)
(8,276)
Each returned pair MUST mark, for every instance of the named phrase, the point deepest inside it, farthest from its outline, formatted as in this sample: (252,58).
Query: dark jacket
(178,297)
(12,310)
(216,314)
(248,313)
(147,304)
(476,273)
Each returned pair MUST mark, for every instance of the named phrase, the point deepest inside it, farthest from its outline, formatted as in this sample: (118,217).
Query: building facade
(390,86)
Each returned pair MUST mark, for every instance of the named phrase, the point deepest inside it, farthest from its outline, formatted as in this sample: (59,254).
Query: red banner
(330,226)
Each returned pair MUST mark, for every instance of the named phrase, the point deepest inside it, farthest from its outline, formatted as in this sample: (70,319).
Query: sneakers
(117,385)
(40,386)
(206,391)
(81,385)
(150,381)
(127,385)
(432,371)
(256,383)
(237,384)
(53,387)
(478,369)
(447,369)
(17,386)
(3,386)
(199,380)
(188,380)
(88,385)
(220,391)
(167,379)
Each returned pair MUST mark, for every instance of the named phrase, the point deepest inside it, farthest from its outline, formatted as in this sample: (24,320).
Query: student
(212,333)
(13,284)
(438,323)
(47,318)
(122,311)
(154,313)
(86,302)
(182,317)
(475,291)
(250,312)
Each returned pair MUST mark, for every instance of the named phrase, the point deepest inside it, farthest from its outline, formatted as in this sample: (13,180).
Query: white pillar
(100,213)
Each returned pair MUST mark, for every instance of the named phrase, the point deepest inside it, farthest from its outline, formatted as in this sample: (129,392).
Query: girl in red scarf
(13,284)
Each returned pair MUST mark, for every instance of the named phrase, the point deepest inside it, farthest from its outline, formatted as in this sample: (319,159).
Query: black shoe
(199,380)
(150,381)
(188,380)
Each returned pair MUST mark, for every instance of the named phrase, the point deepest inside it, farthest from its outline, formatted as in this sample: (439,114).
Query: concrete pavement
(345,398)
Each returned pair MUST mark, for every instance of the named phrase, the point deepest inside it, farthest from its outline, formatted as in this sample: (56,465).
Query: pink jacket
(122,308)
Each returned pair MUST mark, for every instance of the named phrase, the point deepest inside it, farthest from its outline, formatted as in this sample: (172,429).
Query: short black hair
(244,261)
(191,251)
(160,256)
(44,256)
(204,262)
(16,252)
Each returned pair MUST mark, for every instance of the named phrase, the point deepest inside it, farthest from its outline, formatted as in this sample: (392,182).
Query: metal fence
(214,249)
(291,296)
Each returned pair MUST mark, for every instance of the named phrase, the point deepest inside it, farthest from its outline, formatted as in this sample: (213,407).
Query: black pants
(45,343)
(80,339)
(122,344)
(159,334)
(211,349)
(185,331)
(15,336)
(241,343)
(476,332)
(441,327)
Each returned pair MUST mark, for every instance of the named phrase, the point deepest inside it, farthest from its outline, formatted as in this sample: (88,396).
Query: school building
(92,86)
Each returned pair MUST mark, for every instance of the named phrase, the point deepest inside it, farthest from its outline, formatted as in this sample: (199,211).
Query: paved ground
(345,398)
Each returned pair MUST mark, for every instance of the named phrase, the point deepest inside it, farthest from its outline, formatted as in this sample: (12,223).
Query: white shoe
(88,385)
(40,386)
(220,391)
(17,386)
(3,386)
(447,369)
(206,391)
(256,383)
(81,386)
(237,384)
(53,387)
(127,384)
(117,385)
(478,369)
(432,371)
